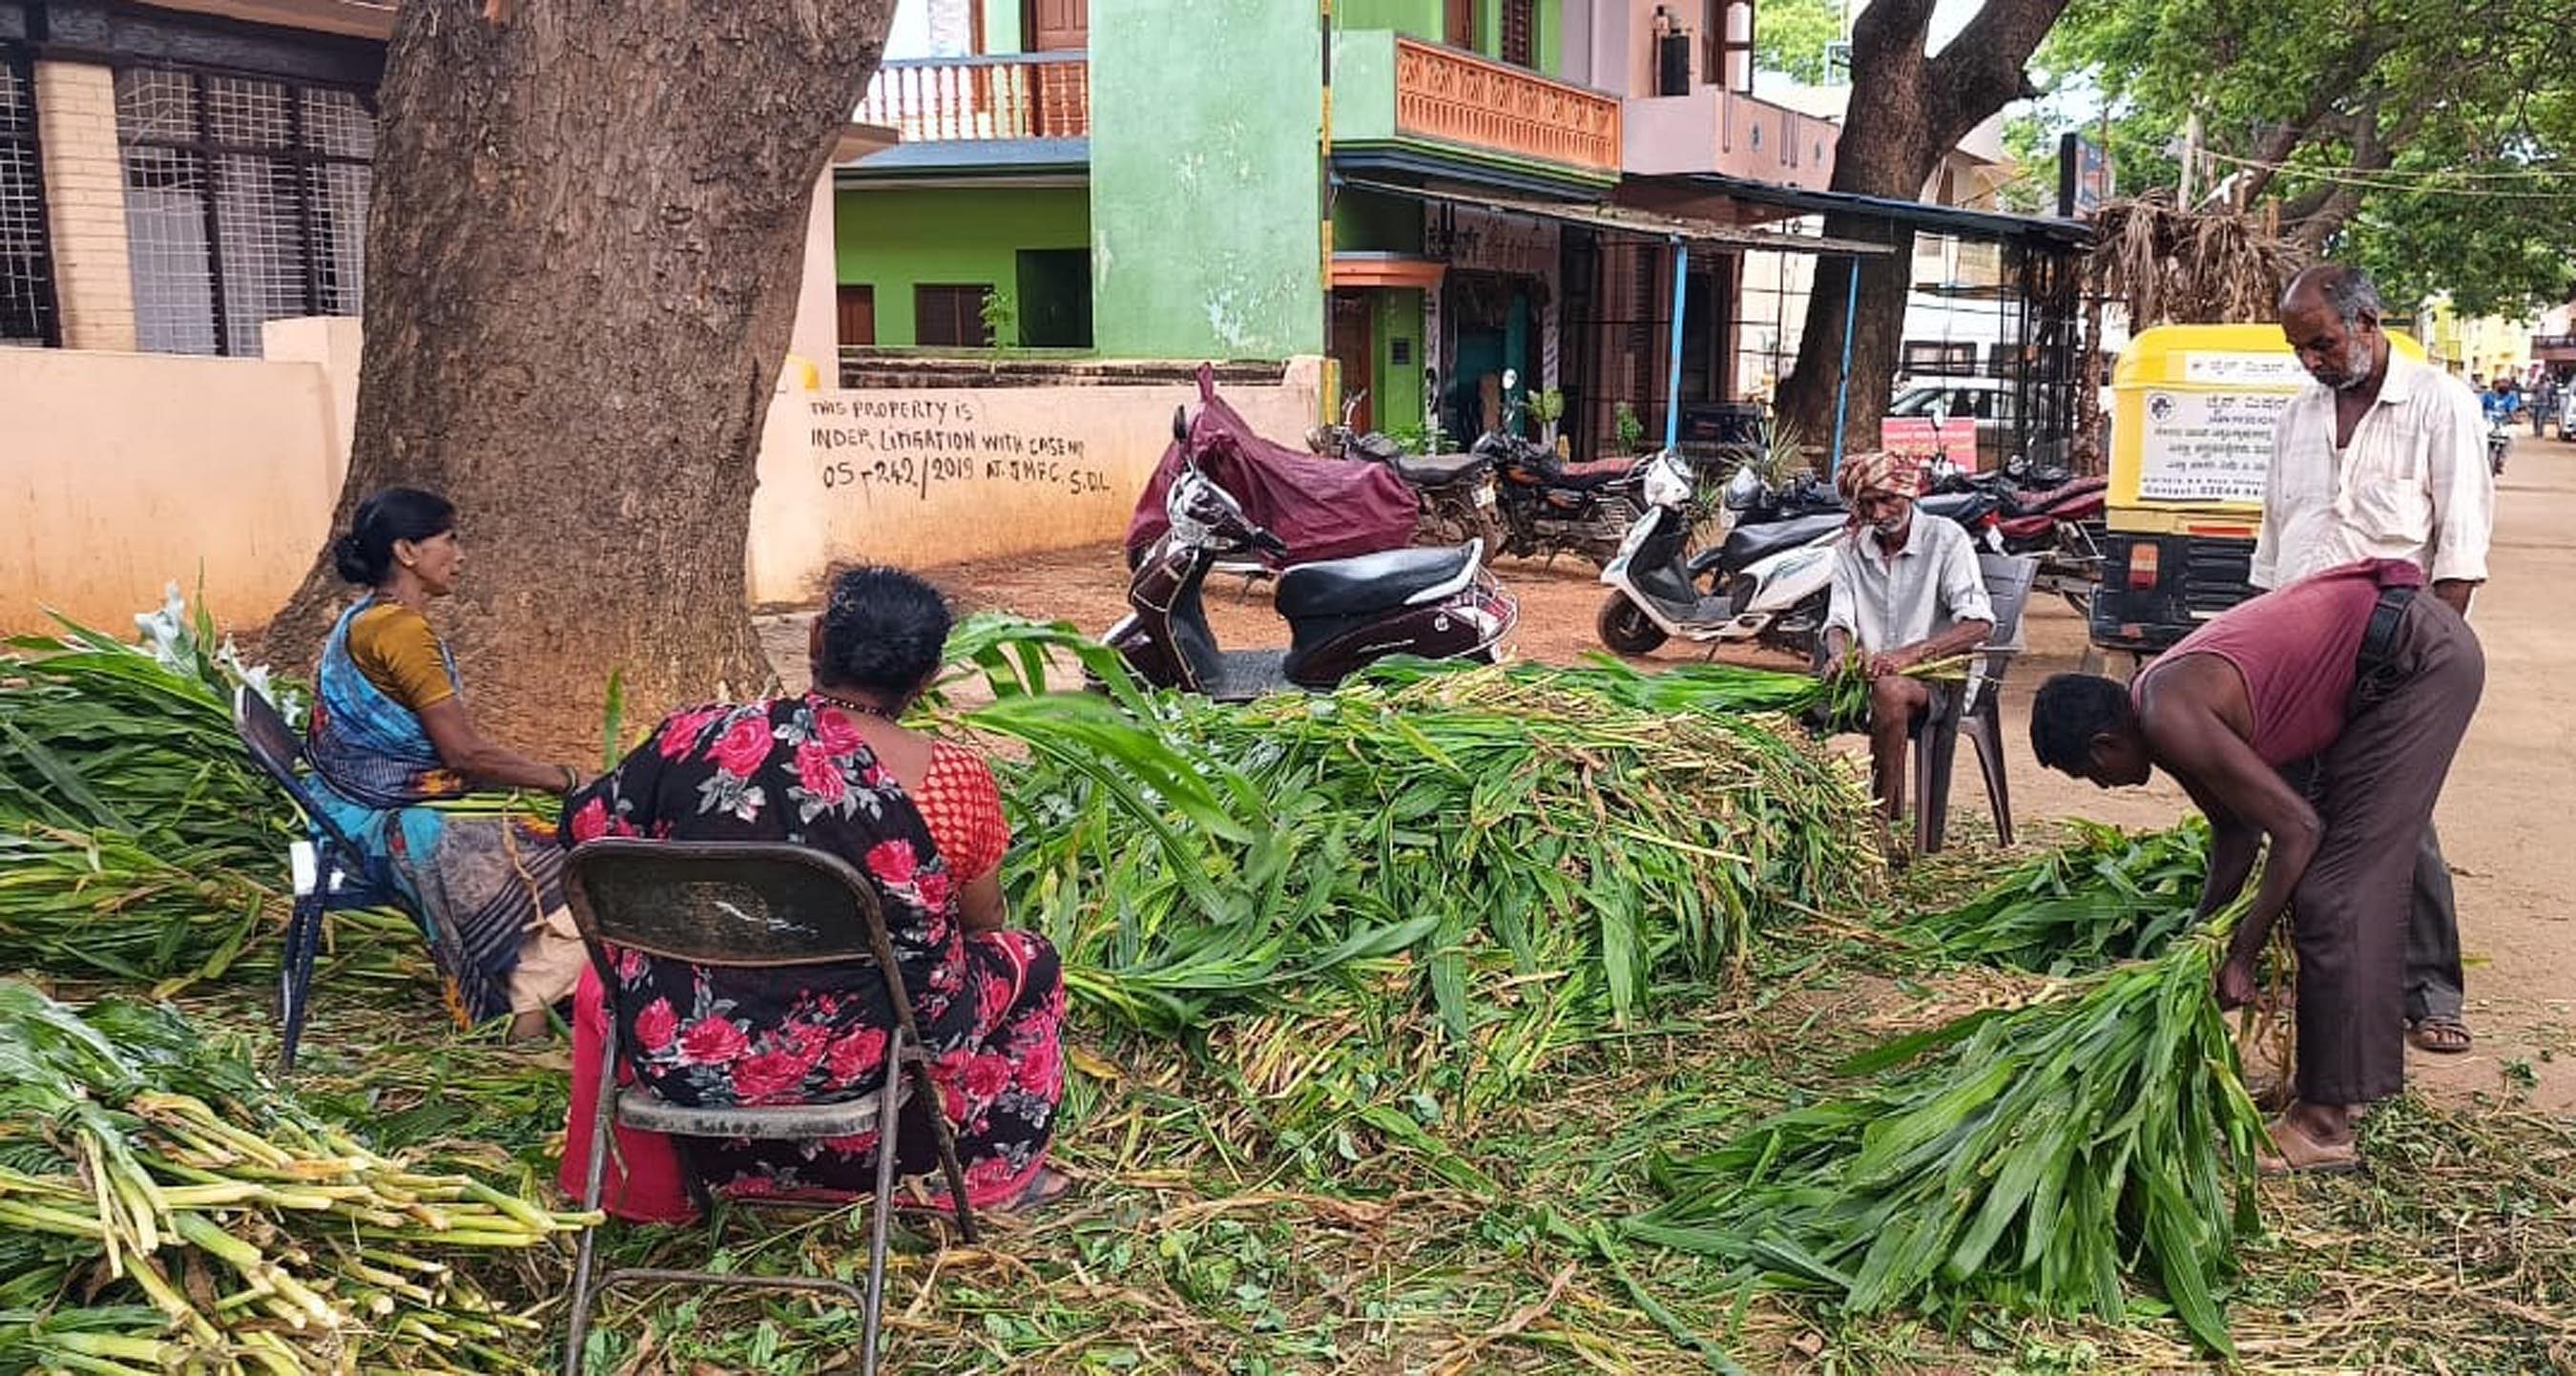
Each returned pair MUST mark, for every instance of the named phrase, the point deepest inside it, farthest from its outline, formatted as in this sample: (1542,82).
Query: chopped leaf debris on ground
(1520,1019)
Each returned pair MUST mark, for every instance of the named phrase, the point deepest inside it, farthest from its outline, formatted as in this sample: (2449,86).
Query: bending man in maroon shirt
(2350,669)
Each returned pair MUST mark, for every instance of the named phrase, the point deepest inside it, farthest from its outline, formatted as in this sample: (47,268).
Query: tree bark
(1907,110)
(583,257)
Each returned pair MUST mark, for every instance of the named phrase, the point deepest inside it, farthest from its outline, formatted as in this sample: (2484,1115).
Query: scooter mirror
(1180,424)
(1511,378)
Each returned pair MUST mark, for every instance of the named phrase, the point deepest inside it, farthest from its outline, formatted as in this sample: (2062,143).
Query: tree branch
(2331,85)
(1981,71)
(2372,151)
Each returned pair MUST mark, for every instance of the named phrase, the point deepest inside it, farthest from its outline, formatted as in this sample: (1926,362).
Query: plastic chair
(331,872)
(745,905)
(1976,707)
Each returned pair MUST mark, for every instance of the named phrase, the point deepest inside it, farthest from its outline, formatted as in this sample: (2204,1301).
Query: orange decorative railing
(1458,97)
(1021,96)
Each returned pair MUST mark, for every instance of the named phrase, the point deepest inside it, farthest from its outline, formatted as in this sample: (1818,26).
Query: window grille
(245,202)
(27,310)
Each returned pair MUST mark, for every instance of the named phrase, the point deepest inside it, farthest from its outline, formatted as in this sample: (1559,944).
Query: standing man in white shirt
(1908,590)
(2381,457)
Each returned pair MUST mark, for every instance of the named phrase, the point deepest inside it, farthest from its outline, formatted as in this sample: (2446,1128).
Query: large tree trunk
(1907,110)
(582,259)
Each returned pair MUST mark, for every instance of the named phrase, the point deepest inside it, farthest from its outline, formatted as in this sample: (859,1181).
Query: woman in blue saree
(399,761)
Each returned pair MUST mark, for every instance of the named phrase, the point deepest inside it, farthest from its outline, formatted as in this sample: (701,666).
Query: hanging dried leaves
(2171,266)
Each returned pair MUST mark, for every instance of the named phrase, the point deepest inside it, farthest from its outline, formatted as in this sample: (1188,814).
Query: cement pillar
(85,204)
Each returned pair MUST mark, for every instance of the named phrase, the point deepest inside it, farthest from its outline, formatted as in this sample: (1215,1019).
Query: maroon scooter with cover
(1342,614)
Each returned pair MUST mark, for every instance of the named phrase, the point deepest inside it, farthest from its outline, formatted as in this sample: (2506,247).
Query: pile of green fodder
(140,841)
(2105,896)
(164,1208)
(2031,1156)
(1489,863)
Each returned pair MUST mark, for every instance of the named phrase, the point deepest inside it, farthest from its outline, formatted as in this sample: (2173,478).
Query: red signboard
(1956,437)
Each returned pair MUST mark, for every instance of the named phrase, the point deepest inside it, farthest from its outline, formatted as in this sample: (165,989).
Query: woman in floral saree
(398,757)
(923,820)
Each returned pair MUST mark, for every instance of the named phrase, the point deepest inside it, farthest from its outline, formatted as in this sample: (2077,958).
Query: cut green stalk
(2024,1157)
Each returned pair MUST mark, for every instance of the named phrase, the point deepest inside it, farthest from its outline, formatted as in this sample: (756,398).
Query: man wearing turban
(1905,592)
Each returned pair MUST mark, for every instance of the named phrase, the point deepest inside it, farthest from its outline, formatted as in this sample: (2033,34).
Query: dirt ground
(2497,816)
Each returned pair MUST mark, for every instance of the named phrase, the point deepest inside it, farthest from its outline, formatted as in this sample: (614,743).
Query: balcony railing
(1020,96)
(2551,345)
(1458,97)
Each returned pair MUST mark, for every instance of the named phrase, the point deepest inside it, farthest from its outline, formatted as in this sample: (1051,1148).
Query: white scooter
(1770,582)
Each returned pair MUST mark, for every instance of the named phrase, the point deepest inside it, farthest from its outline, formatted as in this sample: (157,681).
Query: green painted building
(1142,178)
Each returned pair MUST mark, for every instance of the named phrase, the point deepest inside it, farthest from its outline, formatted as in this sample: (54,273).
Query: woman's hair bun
(364,554)
(884,629)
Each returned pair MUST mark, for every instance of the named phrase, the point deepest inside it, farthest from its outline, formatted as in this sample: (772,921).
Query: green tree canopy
(1791,38)
(2432,141)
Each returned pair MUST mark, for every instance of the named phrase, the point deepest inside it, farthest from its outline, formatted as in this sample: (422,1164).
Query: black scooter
(1342,614)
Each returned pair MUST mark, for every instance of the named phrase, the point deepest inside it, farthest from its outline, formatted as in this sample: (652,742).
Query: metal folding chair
(1975,707)
(745,905)
(331,872)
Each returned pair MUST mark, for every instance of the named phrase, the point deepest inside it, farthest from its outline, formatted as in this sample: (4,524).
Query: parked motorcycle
(2046,512)
(1342,614)
(1454,492)
(1549,507)
(1769,582)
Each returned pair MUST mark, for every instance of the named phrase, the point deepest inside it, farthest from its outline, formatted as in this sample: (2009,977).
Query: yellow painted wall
(120,473)
(940,475)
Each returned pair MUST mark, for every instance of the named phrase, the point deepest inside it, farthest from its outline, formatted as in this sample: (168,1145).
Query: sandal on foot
(1045,1187)
(2294,1152)
(2440,1036)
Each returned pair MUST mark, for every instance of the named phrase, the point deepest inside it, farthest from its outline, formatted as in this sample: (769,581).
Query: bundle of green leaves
(164,1208)
(2103,897)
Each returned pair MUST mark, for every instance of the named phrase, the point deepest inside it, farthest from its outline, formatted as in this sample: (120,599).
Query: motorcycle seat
(1586,476)
(1748,545)
(2030,503)
(1966,508)
(1438,470)
(1380,447)
(1368,582)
